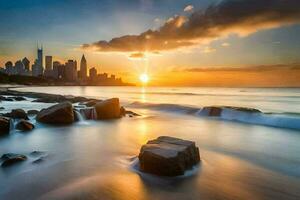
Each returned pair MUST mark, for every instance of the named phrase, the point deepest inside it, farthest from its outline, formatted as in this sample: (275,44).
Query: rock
(131,113)
(4,125)
(122,111)
(212,111)
(39,160)
(32,112)
(19,98)
(61,113)
(37,153)
(2,108)
(108,109)
(216,111)
(24,125)
(92,102)
(242,109)
(17,114)
(168,156)
(11,158)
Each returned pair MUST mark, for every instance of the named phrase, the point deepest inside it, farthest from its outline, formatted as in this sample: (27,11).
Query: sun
(144,78)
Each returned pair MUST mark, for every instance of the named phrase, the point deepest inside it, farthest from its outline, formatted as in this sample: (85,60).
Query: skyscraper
(37,67)
(40,56)
(48,66)
(71,70)
(93,74)
(83,68)
(48,63)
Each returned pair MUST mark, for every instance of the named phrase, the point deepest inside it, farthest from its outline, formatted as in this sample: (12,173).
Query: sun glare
(144,78)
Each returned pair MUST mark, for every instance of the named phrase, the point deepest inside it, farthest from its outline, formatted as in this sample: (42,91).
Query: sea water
(94,160)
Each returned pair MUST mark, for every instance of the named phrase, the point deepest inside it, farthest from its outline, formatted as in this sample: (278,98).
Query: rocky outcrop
(92,103)
(168,156)
(17,114)
(108,109)
(24,125)
(61,113)
(11,159)
(88,113)
(216,111)
(4,125)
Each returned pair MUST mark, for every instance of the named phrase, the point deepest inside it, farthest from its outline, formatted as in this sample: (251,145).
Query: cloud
(188,8)
(225,44)
(209,50)
(201,27)
(138,55)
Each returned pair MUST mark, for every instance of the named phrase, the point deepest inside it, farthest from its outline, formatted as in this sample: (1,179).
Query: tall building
(26,64)
(48,66)
(93,74)
(71,70)
(55,73)
(37,67)
(48,63)
(83,68)
(40,57)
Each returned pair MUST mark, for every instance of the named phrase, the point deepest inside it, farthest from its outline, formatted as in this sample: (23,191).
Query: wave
(238,114)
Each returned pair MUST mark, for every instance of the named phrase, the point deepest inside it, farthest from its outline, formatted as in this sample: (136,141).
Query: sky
(176,42)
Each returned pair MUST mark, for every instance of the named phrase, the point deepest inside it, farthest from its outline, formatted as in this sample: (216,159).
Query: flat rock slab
(168,156)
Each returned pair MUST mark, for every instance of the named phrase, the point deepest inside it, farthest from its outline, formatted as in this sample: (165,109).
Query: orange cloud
(228,17)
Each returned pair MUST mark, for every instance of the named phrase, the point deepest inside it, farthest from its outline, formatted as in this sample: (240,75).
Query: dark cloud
(241,17)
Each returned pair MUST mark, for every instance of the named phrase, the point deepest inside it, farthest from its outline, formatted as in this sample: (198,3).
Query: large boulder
(61,113)
(4,125)
(17,114)
(24,125)
(11,158)
(108,109)
(168,156)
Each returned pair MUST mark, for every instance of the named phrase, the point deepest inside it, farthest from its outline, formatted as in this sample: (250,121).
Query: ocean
(252,156)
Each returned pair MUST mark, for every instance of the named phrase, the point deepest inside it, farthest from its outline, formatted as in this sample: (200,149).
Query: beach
(244,155)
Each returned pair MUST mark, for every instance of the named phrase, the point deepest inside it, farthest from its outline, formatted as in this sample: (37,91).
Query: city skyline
(189,40)
(67,72)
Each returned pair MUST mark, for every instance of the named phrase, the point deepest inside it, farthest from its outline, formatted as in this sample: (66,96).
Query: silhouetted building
(48,66)
(37,67)
(83,68)
(93,74)
(9,68)
(71,70)
(19,67)
(37,70)
(26,64)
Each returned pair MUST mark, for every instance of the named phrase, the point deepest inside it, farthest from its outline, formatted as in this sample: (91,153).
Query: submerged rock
(18,98)
(4,125)
(24,125)
(17,114)
(168,156)
(61,113)
(108,109)
(11,158)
